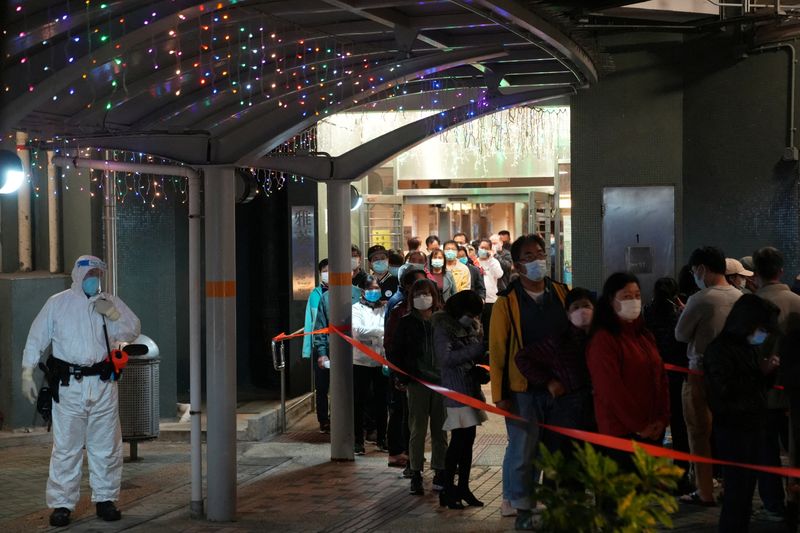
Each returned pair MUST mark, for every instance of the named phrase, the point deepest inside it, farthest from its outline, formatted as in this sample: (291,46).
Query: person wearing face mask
(736,274)
(369,383)
(738,375)
(397,431)
(439,274)
(359,274)
(492,272)
(700,322)
(395,262)
(413,348)
(631,392)
(461,273)
(559,365)
(768,263)
(661,316)
(379,262)
(503,257)
(80,324)
(475,272)
(528,312)
(321,373)
(459,346)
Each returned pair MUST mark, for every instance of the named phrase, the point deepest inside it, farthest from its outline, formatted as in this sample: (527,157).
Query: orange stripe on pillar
(340,278)
(220,289)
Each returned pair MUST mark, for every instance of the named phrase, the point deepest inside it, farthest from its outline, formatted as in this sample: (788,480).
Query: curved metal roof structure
(227,81)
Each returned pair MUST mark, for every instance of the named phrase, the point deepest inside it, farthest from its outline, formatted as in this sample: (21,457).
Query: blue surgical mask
(450,254)
(437,263)
(394,271)
(536,269)
(462,260)
(91,286)
(482,253)
(372,295)
(757,338)
(380,266)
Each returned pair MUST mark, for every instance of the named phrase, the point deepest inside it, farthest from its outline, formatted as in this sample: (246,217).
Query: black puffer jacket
(458,350)
(412,348)
(736,387)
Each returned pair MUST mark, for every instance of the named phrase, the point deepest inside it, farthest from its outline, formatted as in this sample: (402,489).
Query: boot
(108,511)
(59,517)
(416,484)
(463,486)
(448,497)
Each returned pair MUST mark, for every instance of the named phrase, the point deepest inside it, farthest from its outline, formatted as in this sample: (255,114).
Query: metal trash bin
(138,396)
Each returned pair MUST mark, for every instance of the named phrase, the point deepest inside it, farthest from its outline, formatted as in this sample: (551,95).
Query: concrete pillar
(220,260)
(53,231)
(339,315)
(110,226)
(195,366)
(24,217)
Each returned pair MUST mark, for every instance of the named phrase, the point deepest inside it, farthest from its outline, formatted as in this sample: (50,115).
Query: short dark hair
(488,241)
(504,232)
(477,242)
(516,247)
(367,281)
(355,249)
(462,248)
(416,253)
(460,233)
(451,241)
(410,275)
(710,257)
(430,239)
(395,258)
(686,284)
(768,262)
(604,315)
(322,264)
(464,302)
(413,243)
(749,313)
(578,293)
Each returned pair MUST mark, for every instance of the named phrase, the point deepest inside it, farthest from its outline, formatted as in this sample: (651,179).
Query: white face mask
(699,281)
(629,309)
(355,262)
(582,317)
(423,302)
(323,277)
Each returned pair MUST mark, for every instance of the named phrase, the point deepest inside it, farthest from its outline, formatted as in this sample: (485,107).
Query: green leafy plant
(589,493)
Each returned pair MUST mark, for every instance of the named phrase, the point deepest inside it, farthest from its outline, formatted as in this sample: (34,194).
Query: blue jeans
(519,474)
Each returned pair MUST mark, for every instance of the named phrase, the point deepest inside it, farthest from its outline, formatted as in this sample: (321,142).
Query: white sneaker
(506,509)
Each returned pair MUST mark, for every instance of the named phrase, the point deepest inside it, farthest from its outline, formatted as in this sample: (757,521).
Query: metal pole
(53,233)
(283,387)
(220,241)
(195,367)
(110,226)
(340,313)
(24,221)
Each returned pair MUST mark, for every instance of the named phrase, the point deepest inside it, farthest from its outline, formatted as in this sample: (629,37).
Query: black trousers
(741,446)
(397,433)
(458,459)
(369,396)
(322,384)
(677,424)
(770,486)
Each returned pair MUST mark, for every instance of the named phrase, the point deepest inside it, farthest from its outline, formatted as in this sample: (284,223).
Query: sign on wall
(303,260)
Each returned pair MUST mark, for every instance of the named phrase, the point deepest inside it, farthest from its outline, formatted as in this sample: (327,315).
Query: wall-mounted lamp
(11,172)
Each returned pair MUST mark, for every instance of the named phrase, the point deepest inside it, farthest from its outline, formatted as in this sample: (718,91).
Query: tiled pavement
(287,484)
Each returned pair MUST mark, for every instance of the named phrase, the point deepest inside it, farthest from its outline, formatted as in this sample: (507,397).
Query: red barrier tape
(684,370)
(617,443)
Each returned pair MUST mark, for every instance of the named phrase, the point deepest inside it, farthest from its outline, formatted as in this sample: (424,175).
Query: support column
(53,231)
(220,255)
(340,313)
(24,219)
(195,367)
(110,226)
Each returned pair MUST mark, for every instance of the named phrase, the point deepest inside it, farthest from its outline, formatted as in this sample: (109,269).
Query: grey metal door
(639,233)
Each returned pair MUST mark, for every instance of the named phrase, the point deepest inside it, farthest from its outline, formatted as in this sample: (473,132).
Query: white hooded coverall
(88,410)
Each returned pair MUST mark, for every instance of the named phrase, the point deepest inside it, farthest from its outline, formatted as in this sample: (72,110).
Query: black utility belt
(65,370)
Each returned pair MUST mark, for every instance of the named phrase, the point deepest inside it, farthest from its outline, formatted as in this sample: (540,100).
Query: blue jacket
(320,342)
(311,318)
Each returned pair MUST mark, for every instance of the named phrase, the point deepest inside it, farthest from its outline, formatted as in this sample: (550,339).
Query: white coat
(367,328)
(87,413)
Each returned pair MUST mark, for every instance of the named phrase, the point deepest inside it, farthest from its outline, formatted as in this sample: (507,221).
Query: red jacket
(629,380)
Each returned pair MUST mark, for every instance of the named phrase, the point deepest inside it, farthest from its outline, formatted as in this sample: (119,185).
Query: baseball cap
(734,266)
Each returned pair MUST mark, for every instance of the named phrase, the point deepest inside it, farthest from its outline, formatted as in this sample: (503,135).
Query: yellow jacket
(461,276)
(505,340)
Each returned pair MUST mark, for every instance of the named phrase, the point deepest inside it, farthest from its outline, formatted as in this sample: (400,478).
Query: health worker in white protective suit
(85,407)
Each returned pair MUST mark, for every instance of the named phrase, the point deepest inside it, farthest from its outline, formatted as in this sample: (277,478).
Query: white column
(25,242)
(53,230)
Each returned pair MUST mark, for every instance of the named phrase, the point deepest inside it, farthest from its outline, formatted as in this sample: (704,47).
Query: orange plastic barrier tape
(220,289)
(684,370)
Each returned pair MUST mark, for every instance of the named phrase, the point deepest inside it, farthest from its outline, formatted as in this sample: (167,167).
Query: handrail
(279,364)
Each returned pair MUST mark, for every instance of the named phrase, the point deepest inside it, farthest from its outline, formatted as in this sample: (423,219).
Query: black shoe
(438,480)
(446,500)
(407,472)
(372,437)
(325,427)
(358,449)
(108,511)
(59,517)
(470,498)
(416,484)
(382,447)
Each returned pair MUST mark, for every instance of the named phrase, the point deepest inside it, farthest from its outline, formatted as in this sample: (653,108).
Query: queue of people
(574,359)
